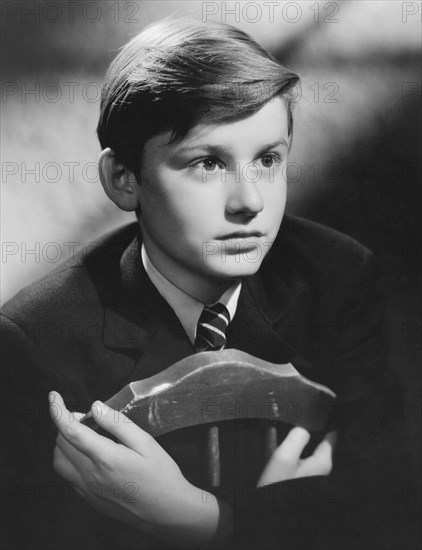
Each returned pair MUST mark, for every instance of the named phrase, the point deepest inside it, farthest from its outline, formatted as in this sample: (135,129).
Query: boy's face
(212,204)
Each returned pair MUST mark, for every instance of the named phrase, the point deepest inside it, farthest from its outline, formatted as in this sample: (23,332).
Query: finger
(284,461)
(78,435)
(275,471)
(323,454)
(293,445)
(123,429)
(321,461)
(78,459)
(327,445)
(57,409)
(64,467)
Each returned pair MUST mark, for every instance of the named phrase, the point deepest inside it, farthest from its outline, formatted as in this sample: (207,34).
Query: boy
(195,128)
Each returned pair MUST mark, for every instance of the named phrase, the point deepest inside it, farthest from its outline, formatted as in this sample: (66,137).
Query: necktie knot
(211,330)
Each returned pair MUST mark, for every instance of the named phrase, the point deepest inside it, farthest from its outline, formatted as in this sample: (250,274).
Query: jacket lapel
(141,323)
(266,309)
(253,327)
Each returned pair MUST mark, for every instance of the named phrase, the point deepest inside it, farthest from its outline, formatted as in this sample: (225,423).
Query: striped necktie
(211,330)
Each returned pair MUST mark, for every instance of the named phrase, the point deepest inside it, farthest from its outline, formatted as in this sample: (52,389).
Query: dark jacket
(96,323)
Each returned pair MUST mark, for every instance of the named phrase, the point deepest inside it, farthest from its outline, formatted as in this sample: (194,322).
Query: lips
(240,235)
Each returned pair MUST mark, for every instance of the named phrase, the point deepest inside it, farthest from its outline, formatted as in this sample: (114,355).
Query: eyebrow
(221,148)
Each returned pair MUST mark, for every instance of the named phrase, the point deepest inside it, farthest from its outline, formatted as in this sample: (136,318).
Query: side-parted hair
(180,72)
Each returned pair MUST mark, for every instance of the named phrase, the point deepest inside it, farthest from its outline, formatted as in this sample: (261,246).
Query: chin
(233,267)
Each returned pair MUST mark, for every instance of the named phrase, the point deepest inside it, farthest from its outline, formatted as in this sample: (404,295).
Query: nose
(245,198)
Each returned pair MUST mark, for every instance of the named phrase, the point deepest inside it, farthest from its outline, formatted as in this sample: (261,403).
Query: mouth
(240,242)
(237,235)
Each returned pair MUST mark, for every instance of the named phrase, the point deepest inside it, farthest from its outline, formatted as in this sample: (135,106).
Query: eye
(270,159)
(209,165)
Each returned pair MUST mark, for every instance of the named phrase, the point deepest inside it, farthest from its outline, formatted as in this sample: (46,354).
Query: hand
(134,481)
(285,462)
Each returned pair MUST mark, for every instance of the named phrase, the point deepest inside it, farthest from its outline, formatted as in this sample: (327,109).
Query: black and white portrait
(210,291)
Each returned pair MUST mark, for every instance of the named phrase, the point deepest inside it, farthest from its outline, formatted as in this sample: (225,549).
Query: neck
(195,284)
(202,290)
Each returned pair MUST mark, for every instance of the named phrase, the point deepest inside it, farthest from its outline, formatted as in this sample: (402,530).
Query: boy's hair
(180,72)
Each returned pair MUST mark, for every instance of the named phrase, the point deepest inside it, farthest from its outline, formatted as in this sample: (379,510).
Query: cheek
(180,213)
(275,200)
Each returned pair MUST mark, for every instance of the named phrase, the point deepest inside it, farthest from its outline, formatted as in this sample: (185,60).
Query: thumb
(119,425)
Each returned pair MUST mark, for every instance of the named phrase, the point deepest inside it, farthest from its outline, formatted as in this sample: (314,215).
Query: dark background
(355,162)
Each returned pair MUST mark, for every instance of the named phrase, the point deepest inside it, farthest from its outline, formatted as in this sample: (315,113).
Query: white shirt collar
(187,308)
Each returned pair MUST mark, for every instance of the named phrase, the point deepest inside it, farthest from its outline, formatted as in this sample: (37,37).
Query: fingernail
(51,396)
(98,409)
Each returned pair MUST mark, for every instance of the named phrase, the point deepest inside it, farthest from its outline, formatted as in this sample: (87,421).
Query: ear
(119,182)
